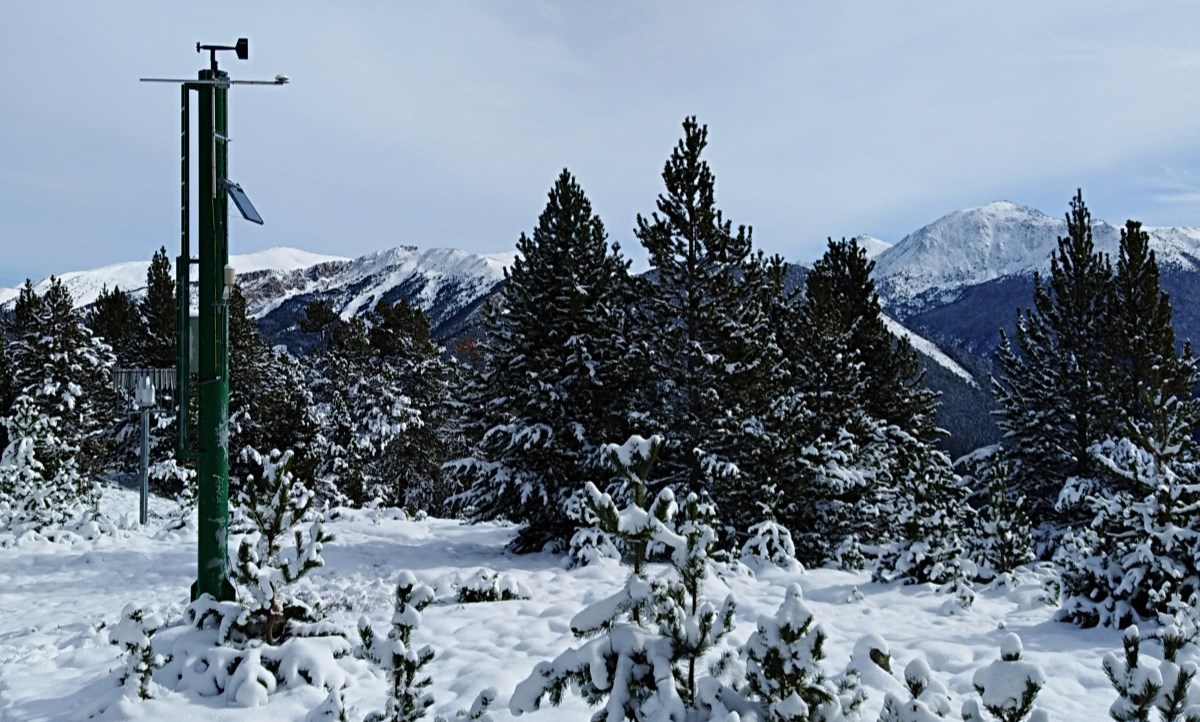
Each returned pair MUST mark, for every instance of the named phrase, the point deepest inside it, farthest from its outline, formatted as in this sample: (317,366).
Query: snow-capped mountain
(931,267)
(85,286)
(872,245)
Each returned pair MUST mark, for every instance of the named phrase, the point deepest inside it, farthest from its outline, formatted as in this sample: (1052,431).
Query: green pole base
(228,593)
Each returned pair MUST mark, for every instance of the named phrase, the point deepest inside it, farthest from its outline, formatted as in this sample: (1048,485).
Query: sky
(445,124)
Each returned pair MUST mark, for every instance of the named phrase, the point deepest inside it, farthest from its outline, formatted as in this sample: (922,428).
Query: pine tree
(1004,539)
(113,319)
(709,320)
(1008,686)
(784,671)
(160,315)
(842,300)
(1054,395)
(270,405)
(1148,368)
(561,372)
(408,695)
(64,370)
(284,545)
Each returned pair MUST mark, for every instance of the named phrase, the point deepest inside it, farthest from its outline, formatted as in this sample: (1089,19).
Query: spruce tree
(1148,369)
(709,322)
(65,371)
(560,376)
(270,406)
(114,319)
(841,299)
(160,315)
(1054,389)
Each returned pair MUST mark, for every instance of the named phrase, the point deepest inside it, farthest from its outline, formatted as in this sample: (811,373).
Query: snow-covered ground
(57,601)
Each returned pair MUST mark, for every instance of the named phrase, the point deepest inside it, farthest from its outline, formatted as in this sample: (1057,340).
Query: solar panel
(242,201)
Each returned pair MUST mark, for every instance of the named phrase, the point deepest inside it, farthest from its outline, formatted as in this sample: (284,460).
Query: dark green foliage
(160,313)
(1005,540)
(708,316)
(1055,393)
(561,373)
(270,405)
(114,319)
(408,695)
(383,397)
(842,301)
(1147,369)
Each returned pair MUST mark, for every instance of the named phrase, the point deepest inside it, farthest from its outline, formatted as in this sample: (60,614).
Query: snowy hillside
(932,265)
(59,603)
(85,286)
(447,284)
(929,349)
(872,245)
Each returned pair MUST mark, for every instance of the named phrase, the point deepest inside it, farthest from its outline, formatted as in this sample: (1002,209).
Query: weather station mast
(210,361)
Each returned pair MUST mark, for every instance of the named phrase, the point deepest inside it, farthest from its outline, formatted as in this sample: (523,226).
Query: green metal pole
(213,462)
(183,279)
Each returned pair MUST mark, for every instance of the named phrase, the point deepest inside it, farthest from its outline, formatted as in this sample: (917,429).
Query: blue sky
(444,124)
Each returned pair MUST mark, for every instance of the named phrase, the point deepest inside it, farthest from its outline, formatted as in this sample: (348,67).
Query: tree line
(777,408)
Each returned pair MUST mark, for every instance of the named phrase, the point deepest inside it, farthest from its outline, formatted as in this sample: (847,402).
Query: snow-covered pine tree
(561,375)
(784,673)
(382,415)
(1149,369)
(65,371)
(399,336)
(929,513)
(1002,540)
(769,541)
(408,695)
(709,318)
(40,484)
(1054,388)
(1007,687)
(1141,551)
(7,392)
(647,641)
(928,700)
(284,546)
(1138,686)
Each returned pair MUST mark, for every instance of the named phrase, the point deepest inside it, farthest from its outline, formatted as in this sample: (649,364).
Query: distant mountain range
(948,287)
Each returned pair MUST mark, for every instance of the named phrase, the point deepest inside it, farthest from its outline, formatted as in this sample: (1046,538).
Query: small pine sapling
(769,541)
(408,695)
(1007,686)
(928,700)
(1173,701)
(784,672)
(1005,539)
(277,505)
(625,666)
(1138,686)
(1142,687)
(479,711)
(486,585)
(133,634)
(692,623)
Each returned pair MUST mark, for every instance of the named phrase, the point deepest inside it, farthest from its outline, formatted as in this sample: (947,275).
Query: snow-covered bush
(1003,539)
(646,641)
(487,585)
(41,488)
(784,673)
(285,545)
(408,695)
(1142,687)
(590,543)
(1007,686)
(769,541)
(1142,547)
(133,634)
(928,700)
(930,515)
